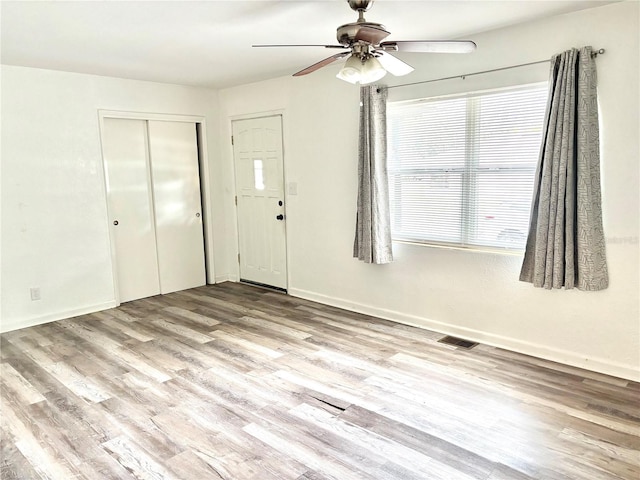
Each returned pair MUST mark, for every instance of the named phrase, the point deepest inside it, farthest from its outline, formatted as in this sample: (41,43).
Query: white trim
(165,117)
(52,317)
(463,248)
(251,116)
(223,278)
(574,359)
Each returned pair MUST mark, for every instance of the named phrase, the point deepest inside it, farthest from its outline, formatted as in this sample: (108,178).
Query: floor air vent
(458,342)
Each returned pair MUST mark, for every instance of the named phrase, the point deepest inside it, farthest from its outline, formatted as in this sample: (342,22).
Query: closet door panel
(131,215)
(175,178)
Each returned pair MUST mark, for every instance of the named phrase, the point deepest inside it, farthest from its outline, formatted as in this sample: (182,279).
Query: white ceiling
(208,43)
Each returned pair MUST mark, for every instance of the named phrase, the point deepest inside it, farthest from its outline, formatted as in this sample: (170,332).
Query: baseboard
(226,278)
(31,322)
(566,357)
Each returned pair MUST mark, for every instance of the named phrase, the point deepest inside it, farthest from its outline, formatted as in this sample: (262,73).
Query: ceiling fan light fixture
(352,70)
(372,71)
(356,70)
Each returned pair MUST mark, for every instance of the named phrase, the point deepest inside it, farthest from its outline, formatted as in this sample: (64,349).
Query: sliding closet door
(124,144)
(178,209)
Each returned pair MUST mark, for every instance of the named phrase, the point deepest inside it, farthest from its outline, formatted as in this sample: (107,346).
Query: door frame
(205,184)
(283,123)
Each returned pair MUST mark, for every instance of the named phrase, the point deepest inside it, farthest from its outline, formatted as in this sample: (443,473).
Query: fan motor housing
(347,33)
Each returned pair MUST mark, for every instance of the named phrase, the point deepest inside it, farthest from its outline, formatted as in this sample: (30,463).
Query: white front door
(257,147)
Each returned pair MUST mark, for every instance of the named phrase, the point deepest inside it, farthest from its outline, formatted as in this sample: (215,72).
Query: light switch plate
(35,293)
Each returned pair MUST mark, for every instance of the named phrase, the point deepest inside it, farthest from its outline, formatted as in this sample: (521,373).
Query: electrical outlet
(35,293)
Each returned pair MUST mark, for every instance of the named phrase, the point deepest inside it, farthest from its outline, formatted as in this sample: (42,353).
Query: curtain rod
(463,76)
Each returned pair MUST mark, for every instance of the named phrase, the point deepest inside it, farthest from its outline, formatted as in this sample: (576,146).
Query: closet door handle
(115,222)
(280,217)
(198,215)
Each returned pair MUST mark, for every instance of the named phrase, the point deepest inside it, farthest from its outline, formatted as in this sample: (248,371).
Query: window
(258,175)
(461,168)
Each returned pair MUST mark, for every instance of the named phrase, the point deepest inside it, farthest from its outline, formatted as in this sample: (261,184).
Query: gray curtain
(565,246)
(373,232)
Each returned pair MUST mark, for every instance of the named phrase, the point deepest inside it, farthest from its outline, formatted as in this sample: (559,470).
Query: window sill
(471,249)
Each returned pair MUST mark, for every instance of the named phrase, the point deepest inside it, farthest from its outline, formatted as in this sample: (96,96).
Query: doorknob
(280,217)
(115,222)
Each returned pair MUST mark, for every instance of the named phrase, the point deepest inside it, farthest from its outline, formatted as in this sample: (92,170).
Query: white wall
(54,217)
(473,294)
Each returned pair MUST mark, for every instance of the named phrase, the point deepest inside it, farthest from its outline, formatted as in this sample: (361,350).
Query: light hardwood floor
(236,382)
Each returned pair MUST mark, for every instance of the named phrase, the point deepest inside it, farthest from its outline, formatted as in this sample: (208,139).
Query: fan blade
(286,45)
(371,34)
(430,46)
(393,65)
(321,64)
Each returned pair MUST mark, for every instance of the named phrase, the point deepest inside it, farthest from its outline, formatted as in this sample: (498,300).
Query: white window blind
(461,168)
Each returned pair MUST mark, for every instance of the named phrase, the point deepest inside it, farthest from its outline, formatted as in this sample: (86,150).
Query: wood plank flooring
(235,382)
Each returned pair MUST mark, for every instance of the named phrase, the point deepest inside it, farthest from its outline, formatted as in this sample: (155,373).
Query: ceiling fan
(369,58)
